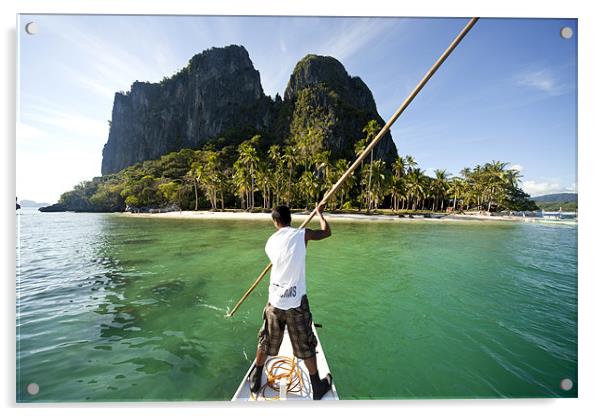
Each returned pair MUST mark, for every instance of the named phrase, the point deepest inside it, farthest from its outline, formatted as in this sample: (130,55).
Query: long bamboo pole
(372,144)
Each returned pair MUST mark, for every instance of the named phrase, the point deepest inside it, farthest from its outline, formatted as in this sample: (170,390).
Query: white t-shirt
(286,250)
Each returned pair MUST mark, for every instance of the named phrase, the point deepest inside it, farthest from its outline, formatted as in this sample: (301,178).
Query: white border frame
(590,347)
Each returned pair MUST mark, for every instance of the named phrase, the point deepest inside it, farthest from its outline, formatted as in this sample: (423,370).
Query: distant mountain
(565,197)
(555,202)
(27,203)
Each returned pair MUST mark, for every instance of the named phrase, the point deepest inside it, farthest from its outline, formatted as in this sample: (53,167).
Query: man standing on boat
(288,303)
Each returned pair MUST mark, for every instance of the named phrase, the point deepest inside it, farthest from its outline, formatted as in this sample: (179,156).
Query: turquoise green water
(114,308)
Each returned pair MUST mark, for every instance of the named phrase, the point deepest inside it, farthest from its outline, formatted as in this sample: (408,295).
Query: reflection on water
(115,308)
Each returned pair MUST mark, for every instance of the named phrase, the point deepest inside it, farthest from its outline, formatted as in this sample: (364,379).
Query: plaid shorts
(299,323)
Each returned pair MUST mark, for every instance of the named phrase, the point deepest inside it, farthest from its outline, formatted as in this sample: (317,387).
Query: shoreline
(347,217)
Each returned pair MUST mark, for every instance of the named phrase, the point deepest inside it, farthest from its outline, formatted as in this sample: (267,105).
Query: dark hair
(282,215)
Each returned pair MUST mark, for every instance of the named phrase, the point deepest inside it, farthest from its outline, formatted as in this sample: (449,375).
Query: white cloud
(535,188)
(106,66)
(542,80)
(77,125)
(97,87)
(517,167)
(354,36)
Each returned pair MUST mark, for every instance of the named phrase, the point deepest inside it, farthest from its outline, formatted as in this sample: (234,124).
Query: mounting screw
(31,28)
(33,389)
(566,32)
(566,384)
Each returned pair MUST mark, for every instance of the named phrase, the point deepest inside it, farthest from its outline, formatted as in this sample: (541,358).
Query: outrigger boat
(285,377)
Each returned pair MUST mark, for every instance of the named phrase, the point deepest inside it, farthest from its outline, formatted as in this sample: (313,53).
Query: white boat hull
(286,350)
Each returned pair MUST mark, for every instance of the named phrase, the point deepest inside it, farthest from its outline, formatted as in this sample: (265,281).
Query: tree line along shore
(258,175)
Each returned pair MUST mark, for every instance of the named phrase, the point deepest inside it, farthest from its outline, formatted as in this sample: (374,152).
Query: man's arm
(323,232)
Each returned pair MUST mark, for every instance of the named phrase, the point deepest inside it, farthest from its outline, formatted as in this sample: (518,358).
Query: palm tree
(241,181)
(194,176)
(359,148)
(340,167)
(428,190)
(455,188)
(399,167)
(396,182)
(309,187)
(465,173)
(378,184)
(222,180)
(275,171)
(264,179)
(440,186)
(476,184)
(512,177)
(207,179)
(397,191)
(494,179)
(249,158)
(364,196)
(308,144)
(415,186)
(465,177)
(410,163)
(371,129)
(290,162)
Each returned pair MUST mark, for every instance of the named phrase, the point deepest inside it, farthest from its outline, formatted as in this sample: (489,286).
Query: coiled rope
(278,368)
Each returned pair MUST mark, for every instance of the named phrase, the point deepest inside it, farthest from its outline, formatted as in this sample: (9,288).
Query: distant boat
(558,215)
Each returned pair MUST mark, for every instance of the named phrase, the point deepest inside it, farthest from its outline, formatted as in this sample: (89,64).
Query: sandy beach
(228,215)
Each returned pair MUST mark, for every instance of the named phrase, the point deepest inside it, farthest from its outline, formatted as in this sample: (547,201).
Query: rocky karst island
(208,137)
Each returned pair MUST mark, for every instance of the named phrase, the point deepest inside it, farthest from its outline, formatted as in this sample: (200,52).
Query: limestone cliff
(324,96)
(220,92)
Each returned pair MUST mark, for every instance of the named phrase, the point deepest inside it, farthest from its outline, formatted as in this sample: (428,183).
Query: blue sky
(507,93)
